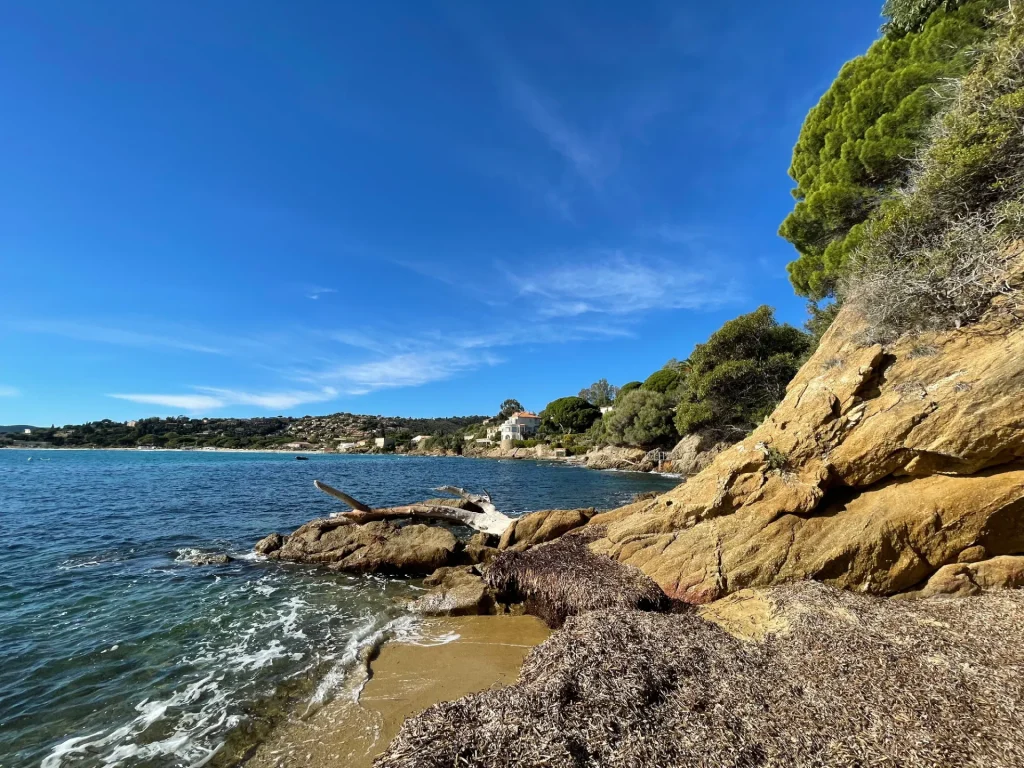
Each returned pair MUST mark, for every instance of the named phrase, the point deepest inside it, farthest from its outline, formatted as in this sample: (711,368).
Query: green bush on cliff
(939,251)
(667,378)
(857,144)
(642,418)
(740,374)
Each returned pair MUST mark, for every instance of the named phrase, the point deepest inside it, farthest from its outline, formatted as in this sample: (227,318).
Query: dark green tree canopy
(509,407)
(740,374)
(569,414)
(859,142)
(641,417)
(629,387)
(668,378)
(600,393)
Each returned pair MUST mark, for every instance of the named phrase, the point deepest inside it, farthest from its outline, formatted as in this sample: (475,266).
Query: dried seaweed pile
(564,578)
(853,681)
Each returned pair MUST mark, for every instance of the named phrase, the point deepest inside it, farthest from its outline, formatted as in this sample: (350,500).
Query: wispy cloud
(617,283)
(315,292)
(9,392)
(410,369)
(206,399)
(542,114)
(118,336)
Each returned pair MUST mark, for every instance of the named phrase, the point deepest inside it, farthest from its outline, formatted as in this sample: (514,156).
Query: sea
(119,650)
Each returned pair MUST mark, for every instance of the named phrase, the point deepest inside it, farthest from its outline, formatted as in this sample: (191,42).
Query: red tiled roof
(527,414)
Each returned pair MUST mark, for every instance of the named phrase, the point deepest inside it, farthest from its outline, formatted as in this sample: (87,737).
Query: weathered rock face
(965,579)
(269,544)
(456,591)
(694,453)
(880,466)
(377,547)
(537,527)
(616,457)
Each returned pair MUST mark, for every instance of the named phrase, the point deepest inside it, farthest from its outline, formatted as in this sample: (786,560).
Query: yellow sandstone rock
(881,466)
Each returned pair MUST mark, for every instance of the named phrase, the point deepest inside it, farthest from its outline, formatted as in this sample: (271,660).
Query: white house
(520,426)
(419,439)
(28,431)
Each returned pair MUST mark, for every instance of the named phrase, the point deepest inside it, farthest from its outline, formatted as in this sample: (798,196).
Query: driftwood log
(477,512)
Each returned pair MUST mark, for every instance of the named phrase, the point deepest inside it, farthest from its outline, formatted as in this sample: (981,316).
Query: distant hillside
(17,428)
(272,432)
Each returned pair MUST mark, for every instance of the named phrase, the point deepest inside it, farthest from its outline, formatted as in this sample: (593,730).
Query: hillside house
(520,426)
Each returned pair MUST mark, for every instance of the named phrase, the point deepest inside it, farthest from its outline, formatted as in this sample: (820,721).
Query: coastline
(448,658)
(572,461)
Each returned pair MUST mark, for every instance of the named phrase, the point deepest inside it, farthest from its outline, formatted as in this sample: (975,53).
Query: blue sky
(418,208)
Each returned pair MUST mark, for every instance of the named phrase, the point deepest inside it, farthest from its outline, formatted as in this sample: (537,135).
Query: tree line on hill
(726,387)
(256,433)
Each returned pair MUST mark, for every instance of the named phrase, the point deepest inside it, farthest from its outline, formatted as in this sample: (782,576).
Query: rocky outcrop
(538,527)
(381,546)
(802,675)
(268,544)
(376,547)
(458,591)
(617,457)
(695,452)
(973,578)
(881,466)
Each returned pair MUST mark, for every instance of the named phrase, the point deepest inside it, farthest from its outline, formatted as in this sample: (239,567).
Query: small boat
(302,458)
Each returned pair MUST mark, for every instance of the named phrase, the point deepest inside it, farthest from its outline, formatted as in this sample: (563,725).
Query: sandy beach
(451,658)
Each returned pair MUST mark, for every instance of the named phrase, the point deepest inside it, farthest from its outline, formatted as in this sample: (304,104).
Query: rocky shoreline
(716,623)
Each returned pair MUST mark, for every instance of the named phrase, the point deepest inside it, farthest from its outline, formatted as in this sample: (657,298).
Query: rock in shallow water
(457,591)
(269,544)
(194,557)
(376,547)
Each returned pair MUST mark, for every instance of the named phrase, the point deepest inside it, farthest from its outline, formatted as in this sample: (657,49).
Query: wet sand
(456,656)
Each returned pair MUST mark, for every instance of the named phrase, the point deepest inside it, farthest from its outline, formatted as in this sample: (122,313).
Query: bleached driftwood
(480,514)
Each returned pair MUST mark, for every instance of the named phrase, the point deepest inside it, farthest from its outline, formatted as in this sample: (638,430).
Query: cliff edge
(882,465)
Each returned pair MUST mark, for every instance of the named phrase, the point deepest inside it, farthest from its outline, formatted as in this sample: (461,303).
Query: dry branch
(485,517)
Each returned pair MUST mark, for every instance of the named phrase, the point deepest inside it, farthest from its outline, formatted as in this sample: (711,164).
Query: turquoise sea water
(117,651)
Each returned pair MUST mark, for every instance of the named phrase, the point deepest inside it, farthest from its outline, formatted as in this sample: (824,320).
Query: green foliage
(937,253)
(625,388)
(508,408)
(664,380)
(600,393)
(451,443)
(857,145)
(642,417)
(569,414)
(776,460)
(740,374)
